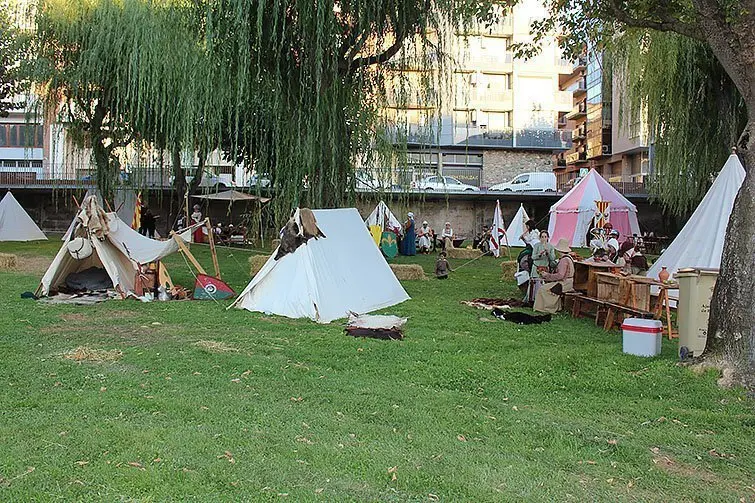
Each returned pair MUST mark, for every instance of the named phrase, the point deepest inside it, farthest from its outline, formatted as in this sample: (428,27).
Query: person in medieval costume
(196,217)
(447,237)
(548,298)
(425,235)
(408,243)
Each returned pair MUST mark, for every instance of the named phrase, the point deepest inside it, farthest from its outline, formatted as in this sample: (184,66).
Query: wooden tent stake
(211,237)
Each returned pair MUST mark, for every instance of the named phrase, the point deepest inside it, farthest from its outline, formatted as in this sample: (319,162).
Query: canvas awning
(232,196)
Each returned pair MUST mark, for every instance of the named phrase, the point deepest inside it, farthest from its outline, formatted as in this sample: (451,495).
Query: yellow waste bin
(695,292)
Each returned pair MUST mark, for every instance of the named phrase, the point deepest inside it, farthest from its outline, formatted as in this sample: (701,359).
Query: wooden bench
(611,309)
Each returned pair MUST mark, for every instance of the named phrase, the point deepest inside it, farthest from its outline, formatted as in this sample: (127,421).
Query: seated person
(548,297)
(631,260)
(612,245)
(599,255)
(424,237)
(447,236)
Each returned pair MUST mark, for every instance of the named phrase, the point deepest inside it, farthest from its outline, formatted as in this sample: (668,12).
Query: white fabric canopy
(701,241)
(327,278)
(119,253)
(15,223)
(516,227)
(382,216)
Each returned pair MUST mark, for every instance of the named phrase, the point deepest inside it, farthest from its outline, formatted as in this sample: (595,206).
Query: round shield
(388,244)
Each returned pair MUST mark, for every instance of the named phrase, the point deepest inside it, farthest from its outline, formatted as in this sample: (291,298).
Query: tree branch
(666,22)
(379,58)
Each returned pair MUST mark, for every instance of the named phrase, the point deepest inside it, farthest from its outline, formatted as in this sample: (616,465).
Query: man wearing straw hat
(548,298)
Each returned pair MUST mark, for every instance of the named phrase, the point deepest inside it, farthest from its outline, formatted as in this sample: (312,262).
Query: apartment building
(606,136)
(501,115)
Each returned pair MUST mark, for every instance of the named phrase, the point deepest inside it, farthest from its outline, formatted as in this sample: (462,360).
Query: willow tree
(725,29)
(11,43)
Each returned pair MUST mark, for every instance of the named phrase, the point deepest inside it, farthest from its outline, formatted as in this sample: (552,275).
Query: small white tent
(516,227)
(701,241)
(117,248)
(326,278)
(15,223)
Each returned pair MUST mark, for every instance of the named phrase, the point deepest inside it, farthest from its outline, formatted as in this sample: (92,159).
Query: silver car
(443,184)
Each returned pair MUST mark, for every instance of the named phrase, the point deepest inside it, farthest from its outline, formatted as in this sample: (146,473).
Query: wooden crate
(635,294)
(609,287)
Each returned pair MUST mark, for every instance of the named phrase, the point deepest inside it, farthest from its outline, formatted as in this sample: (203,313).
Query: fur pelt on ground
(521,318)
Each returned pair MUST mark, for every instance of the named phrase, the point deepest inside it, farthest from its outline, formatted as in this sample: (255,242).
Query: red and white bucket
(642,337)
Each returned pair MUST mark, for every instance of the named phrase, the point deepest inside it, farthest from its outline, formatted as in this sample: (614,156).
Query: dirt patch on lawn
(215,347)
(87,354)
(668,464)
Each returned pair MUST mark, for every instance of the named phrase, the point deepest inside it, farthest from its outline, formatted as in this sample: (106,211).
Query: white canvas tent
(701,241)
(15,223)
(516,227)
(327,278)
(384,218)
(118,252)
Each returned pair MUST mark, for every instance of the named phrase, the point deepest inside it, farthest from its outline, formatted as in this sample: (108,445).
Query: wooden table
(625,290)
(585,275)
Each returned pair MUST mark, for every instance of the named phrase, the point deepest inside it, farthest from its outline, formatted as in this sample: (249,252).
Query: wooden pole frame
(214,253)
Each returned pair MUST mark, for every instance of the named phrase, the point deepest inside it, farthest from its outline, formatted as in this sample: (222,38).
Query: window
(452,181)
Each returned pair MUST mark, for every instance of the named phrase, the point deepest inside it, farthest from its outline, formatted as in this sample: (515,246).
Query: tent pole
(188,253)
(212,247)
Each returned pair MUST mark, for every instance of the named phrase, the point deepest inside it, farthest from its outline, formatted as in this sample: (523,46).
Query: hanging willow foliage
(695,112)
(294,89)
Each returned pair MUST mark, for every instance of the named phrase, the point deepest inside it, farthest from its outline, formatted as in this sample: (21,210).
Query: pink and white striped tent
(571,217)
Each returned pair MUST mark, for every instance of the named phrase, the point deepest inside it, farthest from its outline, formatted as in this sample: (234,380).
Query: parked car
(123,176)
(570,184)
(529,182)
(444,184)
(209,179)
(262,180)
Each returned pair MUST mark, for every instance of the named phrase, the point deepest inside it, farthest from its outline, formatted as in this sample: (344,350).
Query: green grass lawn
(206,404)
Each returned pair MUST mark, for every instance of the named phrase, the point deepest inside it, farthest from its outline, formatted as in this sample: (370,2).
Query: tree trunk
(731,326)
(106,177)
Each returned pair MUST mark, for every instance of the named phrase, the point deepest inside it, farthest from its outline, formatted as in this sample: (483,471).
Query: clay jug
(663,275)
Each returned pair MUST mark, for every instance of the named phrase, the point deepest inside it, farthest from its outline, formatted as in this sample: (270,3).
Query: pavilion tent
(701,242)
(232,196)
(327,278)
(572,216)
(116,248)
(15,223)
(516,227)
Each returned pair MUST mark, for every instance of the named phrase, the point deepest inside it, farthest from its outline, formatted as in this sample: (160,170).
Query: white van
(529,182)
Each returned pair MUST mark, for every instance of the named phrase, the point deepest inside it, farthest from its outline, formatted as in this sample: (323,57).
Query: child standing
(441,266)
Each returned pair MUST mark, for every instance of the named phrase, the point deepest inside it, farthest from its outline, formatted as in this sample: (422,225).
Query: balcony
(502,28)
(578,134)
(564,99)
(579,112)
(497,99)
(575,157)
(483,60)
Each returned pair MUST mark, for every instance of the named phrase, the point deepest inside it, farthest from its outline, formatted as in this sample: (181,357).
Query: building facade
(501,115)
(606,135)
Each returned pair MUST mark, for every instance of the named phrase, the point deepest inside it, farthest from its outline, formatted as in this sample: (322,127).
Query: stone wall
(503,165)
(54,210)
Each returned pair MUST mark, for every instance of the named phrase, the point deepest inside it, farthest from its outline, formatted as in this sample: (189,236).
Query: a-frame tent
(701,242)
(326,278)
(116,248)
(15,223)
(516,227)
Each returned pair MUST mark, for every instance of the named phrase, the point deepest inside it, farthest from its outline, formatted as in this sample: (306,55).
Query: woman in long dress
(543,255)
(548,298)
(530,237)
(408,244)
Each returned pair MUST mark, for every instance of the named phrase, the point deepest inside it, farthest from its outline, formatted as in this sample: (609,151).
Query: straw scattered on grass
(215,347)
(87,354)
